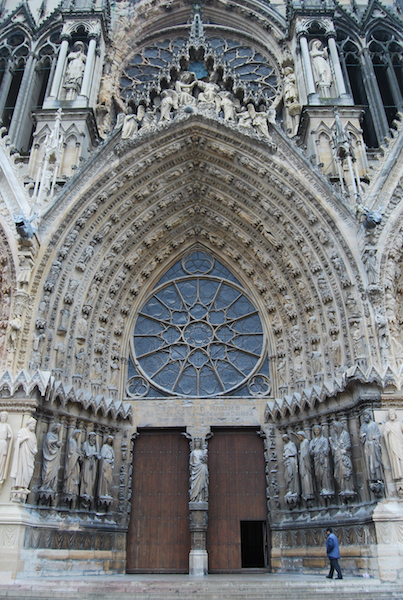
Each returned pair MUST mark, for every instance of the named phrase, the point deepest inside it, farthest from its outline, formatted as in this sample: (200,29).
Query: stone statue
(290,458)
(90,456)
(184,88)
(227,106)
(6,436)
(25,449)
(72,473)
(209,94)
(259,121)
(51,458)
(305,466)
(106,465)
(322,73)
(130,125)
(290,87)
(74,72)
(169,100)
(393,434)
(199,476)
(343,466)
(370,436)
(319,449)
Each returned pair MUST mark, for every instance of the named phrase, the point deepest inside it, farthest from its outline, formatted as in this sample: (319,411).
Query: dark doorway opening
(253,544)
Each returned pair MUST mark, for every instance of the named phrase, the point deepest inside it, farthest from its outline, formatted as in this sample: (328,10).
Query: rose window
(198,334)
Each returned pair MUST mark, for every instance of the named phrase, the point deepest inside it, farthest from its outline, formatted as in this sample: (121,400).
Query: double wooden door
(159,537)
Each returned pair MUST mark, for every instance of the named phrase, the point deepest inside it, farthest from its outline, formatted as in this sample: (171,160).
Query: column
(89,67)
(5,87)
(338,73)
(380,121)
(310,83)
(23,101)
(64,46)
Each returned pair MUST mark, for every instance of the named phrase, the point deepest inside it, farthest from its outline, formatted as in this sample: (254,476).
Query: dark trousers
(334,565)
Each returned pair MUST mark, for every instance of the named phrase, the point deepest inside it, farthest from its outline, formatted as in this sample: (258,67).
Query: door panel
(158,539)
(237,493)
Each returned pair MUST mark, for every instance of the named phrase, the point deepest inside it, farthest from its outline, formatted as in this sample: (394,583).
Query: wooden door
(158,539)
(237,493)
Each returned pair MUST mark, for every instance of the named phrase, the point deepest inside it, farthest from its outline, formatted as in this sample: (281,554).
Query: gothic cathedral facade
(201,262)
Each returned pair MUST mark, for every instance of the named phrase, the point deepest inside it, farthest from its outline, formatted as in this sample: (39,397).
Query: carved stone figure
(259,121)
(209,94)
(290,458)
(305,466)
(74,72)
(393,434)
(184,88)
(6,436)
(130,125)
(343,466)
(227,106)
(90,455)
(371,439)
(106,465)
(370,262)
(72,473)
(322,73)
(25,449)
(320,449)
(51,458)
(199,476)
(290,87)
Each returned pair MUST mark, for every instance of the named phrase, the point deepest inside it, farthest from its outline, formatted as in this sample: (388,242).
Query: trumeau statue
(51,458)
(106,465)
(393,434)
(72,473)
(6,436)
(320,449)
(305,466)
(290,458)
(25,449)
(371,439)
(343,467)
(90,455)
(199,476)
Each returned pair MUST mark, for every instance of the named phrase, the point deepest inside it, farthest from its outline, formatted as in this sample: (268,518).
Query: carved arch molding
(139,206)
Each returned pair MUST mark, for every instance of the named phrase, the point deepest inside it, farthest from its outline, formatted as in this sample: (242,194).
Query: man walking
(333,552)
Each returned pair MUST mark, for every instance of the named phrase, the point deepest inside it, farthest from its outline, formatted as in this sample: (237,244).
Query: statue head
(3,416)
(31,424)
(392,414)
(109,440)
(285,438)
(367,416)
(317,430)
(92,438)
(301,435)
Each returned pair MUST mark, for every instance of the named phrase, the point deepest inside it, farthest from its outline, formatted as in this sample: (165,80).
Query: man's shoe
(328,577)
(339,577)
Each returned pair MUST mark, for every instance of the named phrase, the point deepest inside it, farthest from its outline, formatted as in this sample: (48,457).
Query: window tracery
(198,335)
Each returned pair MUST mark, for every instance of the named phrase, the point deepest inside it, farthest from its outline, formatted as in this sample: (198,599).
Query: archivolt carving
(228,196)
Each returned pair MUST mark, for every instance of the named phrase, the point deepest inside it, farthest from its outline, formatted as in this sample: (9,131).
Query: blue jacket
(332,546)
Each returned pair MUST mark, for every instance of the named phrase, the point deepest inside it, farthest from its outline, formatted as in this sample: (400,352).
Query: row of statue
(309,472)
(188,93)
(88,471)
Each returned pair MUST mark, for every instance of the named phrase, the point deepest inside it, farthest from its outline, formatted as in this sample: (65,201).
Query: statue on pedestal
(393,434)
(106,465)
(73,77)
(343,466)
(22,469)
(371,439)
(320,449)
(51,458)
(290,458)
(90,455)
(199,476)
(72,473)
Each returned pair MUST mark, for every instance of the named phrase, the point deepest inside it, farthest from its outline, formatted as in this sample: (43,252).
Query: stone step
(273,587)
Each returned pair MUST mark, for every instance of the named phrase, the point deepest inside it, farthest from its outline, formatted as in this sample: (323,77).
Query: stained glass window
(197,334)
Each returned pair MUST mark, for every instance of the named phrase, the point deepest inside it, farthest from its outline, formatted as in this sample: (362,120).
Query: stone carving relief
(22,469)
(6,438)
(199,475)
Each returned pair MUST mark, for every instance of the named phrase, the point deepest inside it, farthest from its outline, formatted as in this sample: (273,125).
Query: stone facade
(200,228)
